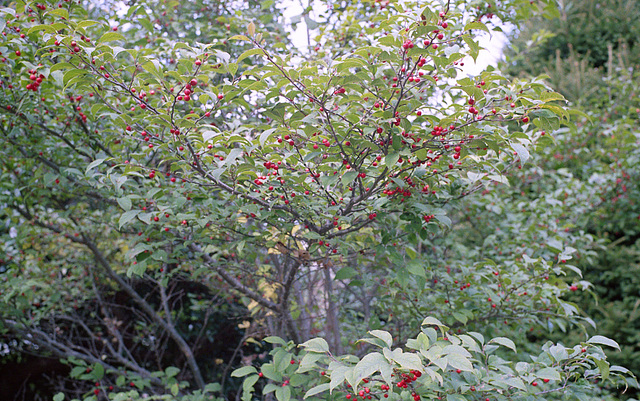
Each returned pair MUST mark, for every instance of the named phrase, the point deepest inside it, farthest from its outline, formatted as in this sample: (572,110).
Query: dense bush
(167,175)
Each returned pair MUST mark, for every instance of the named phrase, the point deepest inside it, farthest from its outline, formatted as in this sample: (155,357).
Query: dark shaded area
(207,322)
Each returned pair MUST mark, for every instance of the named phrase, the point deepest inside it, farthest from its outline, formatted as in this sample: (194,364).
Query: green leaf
(476,25)
(523,153)
(416,269)
(316,390)
(504,342)
(316,345)
(458,361)
(93,164)
(8,10)
(548,373)
(110,37)
(408,360)
(37,28)
(515,382)
(98,372)
(444,219)
(232,68)
(247,384)
(391,160)
(603,341)
(346,273)
(603,367)
(127,217)
(243,371)
(384,336)
(371,363)
(275,340)
(125,203)
(249,53)
(171,371)
(283,393)
(558,352)
(349,176)
(337,374)
(86,23)
(60,12)
(240,37)
(460,317)
(269,388)
(58,397)
(432,321)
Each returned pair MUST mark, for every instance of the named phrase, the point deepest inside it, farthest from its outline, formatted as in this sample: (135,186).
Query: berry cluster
(35,79)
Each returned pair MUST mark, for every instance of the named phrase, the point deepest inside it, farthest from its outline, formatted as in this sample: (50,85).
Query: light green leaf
(476,25)
(391,160)
(444,219)
(247,384)
(458,361)
(349,176)
(243,371)
(604,341)
(504,342)
(548,373)
(98,372)
(60,12)
(603,367)
(316,345)
(127,217)
(275,340)
(558,352)
(316,390)
(384,336)
(249,53)
(523,153)
(515,382)
(93,164)
(338,372)
(408,360)
(110,37)
(432,321)
(86,23)
(346,273)
(171,371)
(371,363)
(456,349)
(125,203)
(283,393)
(239,37)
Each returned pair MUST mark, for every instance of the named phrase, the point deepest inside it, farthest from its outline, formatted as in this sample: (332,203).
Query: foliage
(160,169)
(437,364)
(602,156)
(588,28)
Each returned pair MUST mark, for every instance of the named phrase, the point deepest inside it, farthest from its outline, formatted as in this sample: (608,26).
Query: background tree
(596,68)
